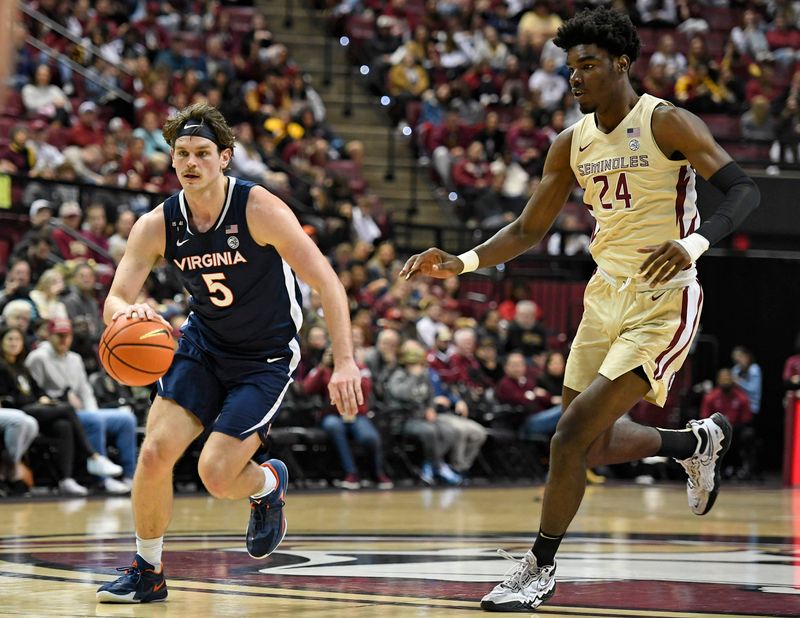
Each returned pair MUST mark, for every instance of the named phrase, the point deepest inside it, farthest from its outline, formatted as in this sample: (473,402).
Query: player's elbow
(755,194)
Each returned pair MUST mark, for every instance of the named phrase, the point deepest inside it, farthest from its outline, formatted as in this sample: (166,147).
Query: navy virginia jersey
(245,301)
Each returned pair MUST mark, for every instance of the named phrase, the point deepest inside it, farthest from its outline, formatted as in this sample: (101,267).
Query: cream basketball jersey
(637,196)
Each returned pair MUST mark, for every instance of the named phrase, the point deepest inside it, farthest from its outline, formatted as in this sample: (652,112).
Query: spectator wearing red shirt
(764,83)
(359,428)
(473,179)
(154,35)
(96,232)
(446,142)
(87,131)
(527,144)
(468,377)
(70,214)
(438,356)
(783,39)
(732,402)
(156,100)
(518,388)
(791,369)
(134,159)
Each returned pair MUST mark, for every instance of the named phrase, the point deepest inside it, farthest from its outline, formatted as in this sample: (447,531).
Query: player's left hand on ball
(345,389)
(664,262)
(140,311)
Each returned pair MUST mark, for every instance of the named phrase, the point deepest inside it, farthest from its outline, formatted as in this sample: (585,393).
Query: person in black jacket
(56,420)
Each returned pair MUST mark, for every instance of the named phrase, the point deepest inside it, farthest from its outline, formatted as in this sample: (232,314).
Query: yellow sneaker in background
(593,478)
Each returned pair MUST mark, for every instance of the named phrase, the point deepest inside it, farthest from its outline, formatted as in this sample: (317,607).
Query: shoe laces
(519,575)
(692,467)
(260,507)
(132,572)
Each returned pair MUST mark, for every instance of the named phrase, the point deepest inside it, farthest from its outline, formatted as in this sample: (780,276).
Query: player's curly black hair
(606,28)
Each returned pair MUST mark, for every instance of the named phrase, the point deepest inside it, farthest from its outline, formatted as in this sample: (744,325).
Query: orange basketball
(136,352)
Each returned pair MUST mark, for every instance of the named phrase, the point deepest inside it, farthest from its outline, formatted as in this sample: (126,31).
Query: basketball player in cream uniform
(639,198)
(636,157)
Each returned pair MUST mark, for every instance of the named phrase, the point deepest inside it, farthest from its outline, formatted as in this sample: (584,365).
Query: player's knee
(216,481)
(156,457)
(568,440)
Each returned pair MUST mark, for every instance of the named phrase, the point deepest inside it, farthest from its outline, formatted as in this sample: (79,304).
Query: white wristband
(695,245)
(471,261)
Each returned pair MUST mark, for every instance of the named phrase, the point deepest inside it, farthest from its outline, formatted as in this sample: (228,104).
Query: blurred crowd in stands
(456,389)
(483,90)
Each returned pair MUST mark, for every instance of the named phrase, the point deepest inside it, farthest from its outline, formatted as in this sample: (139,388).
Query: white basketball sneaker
(525,587)
(713,441)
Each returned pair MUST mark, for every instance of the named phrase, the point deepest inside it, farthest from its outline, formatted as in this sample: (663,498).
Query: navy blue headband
(198,128)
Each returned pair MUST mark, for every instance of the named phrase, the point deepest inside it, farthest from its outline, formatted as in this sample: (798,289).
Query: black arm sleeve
(741,198)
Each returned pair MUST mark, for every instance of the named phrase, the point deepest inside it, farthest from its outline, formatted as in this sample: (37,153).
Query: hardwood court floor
(632,551)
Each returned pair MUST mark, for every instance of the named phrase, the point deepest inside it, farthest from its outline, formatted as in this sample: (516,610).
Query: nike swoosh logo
(658,295)
(582,148)
(180,243)
(273,360)
(154,333)
(159,586)
(192,126)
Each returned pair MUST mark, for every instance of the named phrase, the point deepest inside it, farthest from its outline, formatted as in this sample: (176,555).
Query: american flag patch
(634,132)
(234,229)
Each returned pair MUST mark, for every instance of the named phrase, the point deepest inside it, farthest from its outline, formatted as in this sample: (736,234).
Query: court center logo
(641,573)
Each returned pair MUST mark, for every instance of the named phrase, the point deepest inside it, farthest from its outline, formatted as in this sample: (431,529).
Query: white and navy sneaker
(525,587)
(267,525)
(139,583)
(713,441)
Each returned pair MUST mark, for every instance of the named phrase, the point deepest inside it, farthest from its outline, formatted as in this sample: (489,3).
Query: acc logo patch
(233,242)
(634,144)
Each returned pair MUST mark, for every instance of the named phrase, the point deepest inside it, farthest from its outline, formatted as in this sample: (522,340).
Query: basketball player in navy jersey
(635,157)
(237,248)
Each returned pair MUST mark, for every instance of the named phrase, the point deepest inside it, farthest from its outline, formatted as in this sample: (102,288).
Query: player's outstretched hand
(345,389)
(664,262)
(141,311)
(434,263)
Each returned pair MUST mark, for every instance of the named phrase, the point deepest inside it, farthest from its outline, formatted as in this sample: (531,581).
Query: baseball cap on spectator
(465,322)
(392,318)
(38,205)
(69,209)
(385,21)
(87,107)
(411,355)
(117,123)
(59,326)
(444,334)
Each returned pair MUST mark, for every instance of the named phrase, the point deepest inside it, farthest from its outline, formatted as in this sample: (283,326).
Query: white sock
(150,550)
(270,482)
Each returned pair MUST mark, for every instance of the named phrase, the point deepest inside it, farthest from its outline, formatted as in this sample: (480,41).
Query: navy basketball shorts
(234,396)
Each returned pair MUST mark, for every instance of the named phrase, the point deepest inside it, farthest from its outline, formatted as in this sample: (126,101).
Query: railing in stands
(56,55)
(60,30)
(56,223)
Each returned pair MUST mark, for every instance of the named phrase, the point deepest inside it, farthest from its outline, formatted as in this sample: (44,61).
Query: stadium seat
(721,18)
(723,126)
(12,106)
